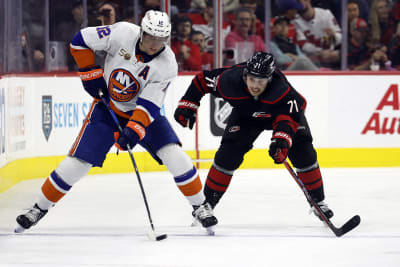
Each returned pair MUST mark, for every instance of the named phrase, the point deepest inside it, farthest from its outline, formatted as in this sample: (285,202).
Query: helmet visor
(154,39)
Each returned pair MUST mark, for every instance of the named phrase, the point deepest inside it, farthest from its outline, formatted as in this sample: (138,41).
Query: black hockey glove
(279,147)
(93,81)
(186,112)
(131,135)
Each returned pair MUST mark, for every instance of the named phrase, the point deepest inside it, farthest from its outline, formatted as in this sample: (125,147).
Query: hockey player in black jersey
(262,99)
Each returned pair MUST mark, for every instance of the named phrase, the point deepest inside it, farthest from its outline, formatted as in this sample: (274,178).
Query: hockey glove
(93,81)
(186,112)
(131,135)
(279,147)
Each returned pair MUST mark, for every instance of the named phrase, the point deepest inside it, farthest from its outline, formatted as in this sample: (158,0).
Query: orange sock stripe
(50,192)
(191,188)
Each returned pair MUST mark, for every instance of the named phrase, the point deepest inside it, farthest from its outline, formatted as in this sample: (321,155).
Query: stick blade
(153,237)
(348,226)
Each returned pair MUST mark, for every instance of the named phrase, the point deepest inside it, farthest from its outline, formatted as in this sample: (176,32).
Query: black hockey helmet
(261,65)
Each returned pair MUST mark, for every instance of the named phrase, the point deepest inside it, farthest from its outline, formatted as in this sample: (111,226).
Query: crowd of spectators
(304,34)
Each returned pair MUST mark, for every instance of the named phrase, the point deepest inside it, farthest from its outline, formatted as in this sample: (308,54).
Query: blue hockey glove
(93,81)
(131,135)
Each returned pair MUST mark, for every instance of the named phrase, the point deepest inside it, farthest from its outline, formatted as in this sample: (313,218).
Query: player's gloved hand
(186,112)
(131,135)
(93,81)
(279,147)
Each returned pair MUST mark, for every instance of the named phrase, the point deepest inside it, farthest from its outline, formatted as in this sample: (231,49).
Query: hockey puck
(161,237)
(152,236)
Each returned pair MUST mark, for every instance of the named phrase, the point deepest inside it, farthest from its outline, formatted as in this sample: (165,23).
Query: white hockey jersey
(311,34)
(127,76)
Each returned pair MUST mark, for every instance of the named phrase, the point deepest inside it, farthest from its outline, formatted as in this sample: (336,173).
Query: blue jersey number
(103,31)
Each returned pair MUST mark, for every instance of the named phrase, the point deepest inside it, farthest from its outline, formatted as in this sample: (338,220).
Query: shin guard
(53,189)
(60,181)
(216,185)
(312,180)
(185,174)
(190,185)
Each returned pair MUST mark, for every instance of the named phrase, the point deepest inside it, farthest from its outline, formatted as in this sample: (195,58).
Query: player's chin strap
(151,233)
(348,226)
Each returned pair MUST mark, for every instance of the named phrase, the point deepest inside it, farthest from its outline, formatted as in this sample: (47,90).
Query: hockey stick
(348,226)
(151,234)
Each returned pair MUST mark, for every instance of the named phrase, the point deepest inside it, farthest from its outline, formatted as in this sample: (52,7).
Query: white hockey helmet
(156,23)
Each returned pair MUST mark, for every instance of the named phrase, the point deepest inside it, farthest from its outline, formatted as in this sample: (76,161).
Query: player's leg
(236,141)
(89,149)
(304,158)
(162,142)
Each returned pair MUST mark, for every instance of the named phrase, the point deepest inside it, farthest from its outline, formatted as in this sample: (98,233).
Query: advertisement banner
(44,114)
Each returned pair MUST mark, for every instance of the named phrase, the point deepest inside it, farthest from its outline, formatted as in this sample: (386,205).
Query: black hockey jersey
(279,107)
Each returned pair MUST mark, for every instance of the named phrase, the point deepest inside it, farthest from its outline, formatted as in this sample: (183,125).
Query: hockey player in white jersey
(138,70)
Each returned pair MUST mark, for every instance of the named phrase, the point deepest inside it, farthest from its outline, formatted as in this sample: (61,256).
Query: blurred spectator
(229,6)
(107,14)
(33,23)
(319,35)
(241,41)
(335,6)
(196,6)
(360,55)
(257,27)
(183,5)
(156,5)
(65,30)
(27,56)
(383,20)
(357,56)
(204,22)
(394,48)
(289,9)
(187,54)
(353,10)
(363,9)
(207,58)
(288,55)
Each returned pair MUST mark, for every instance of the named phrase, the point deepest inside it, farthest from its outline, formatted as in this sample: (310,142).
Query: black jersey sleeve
(288,113)
(202,84)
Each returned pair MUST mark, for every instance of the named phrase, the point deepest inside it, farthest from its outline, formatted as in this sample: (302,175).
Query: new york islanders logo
(123,86)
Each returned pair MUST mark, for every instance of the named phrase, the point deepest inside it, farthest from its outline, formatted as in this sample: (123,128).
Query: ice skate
(324,208)
(32,217)
(203,214)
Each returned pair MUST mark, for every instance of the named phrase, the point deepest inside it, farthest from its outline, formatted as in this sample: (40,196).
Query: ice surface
(263,221)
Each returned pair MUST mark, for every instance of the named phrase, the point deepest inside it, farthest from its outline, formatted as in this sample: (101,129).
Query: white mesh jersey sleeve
(107,38)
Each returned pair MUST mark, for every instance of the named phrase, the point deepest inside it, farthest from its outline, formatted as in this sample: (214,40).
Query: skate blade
(209,230)
(19,229)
